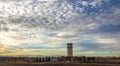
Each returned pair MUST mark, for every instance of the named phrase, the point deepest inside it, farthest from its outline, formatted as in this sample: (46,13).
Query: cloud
(11,0)
(54,19)
(66,34)
(4,47)
(50,24)
(98,45)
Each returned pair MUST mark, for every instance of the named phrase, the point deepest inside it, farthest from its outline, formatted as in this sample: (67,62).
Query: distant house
(54,59)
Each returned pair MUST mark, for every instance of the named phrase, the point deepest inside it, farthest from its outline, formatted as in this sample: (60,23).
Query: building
(69,49)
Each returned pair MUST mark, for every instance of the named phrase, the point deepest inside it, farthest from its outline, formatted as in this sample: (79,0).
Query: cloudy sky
(43,27)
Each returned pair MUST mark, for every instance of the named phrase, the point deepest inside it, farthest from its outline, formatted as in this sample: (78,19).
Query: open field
(56,64)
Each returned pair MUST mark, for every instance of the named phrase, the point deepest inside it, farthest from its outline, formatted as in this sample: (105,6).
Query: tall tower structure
(69,49)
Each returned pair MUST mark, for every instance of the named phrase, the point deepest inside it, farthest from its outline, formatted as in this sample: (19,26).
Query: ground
(54,64)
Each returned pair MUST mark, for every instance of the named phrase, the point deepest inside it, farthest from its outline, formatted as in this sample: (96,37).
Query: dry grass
(56,64)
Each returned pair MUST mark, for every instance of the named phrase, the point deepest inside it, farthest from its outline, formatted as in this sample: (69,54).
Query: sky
(43,27)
